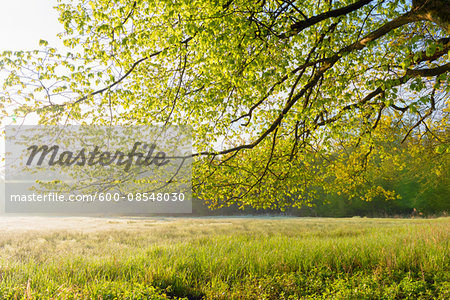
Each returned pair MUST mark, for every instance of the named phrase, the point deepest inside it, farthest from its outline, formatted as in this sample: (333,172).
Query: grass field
(224,258)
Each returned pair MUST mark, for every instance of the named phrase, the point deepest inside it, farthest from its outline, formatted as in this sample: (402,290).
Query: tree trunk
(436,11)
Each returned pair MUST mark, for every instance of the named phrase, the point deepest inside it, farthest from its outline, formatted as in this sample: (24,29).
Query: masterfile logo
(98,169)
(92,158)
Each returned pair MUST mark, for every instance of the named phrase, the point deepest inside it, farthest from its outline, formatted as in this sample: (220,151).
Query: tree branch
(328,63)
(300,25)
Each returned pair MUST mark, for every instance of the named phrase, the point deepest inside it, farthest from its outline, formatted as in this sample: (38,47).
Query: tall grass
(234,258)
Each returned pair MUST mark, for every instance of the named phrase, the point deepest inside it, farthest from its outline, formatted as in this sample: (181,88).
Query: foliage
(271,88)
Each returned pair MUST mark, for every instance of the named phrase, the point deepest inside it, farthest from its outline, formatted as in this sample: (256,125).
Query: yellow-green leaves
(241,72)
(43,43)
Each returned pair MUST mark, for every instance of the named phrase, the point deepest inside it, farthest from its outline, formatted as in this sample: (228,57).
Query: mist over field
(224,258)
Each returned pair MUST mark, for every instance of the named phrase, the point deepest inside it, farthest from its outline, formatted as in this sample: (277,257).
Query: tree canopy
(284,96)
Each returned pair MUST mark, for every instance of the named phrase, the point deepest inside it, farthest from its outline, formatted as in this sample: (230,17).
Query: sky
(24,22)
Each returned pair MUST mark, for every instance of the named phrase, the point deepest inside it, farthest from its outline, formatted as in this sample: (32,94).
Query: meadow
(224,258)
